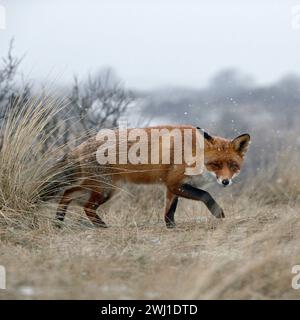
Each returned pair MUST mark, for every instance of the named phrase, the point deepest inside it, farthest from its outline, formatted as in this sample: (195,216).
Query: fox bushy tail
(61,175)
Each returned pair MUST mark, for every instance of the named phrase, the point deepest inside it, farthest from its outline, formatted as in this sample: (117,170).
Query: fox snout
(224,182)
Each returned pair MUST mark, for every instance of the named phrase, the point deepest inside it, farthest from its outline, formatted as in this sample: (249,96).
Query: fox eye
(215,165)
(234,166)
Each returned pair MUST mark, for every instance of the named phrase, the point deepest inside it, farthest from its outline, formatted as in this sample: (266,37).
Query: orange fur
(101,180)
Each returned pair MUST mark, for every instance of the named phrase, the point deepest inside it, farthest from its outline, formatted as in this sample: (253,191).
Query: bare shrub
(100,101)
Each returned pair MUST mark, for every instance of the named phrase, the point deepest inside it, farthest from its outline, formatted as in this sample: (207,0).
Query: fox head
(223,157)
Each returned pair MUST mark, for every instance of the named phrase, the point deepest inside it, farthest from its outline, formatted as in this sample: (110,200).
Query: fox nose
(225,182)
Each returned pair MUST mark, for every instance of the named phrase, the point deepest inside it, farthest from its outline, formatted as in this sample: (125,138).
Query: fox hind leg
(64,203)
(95,200)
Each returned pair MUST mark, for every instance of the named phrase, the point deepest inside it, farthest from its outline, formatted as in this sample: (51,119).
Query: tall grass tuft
(24,164)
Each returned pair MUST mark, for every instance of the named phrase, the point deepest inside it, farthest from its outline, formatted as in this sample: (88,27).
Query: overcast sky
(156,42)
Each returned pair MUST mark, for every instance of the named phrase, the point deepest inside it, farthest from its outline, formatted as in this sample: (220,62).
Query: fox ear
(241,143)
(206,136)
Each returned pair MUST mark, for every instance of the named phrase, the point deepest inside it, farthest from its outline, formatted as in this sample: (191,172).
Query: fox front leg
(189,192)
(170,208)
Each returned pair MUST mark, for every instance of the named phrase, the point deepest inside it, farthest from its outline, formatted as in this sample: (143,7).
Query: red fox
(84,175)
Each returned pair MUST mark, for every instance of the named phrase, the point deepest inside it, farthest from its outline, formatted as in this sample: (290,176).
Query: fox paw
(170,224)
(218,212)
(100,224)
(58,223)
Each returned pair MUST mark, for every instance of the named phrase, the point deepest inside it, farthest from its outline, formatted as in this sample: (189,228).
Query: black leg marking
(169,217)
(190,192)
(60,214)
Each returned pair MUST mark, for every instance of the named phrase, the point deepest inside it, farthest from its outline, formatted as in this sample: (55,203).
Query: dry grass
(24,166)
(248,255)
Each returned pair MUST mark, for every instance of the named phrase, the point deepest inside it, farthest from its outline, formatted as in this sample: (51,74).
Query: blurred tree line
(231,102)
